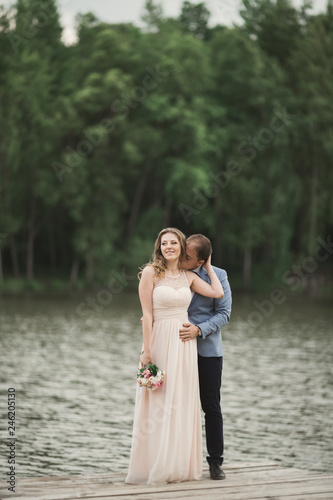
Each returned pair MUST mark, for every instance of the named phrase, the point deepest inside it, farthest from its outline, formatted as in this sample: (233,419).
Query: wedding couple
(185,301)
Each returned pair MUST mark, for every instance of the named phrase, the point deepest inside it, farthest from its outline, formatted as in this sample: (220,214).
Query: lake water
(74,379)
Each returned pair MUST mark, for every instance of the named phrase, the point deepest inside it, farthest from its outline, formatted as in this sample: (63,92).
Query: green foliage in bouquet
(153,369)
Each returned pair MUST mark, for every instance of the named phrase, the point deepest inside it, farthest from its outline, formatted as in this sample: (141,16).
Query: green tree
(29,111)
(194,19)
(250,86)
(276,25)
(311,70)
(223,131)
(153,15)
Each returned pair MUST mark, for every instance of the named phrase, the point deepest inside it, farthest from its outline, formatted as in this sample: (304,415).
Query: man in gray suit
(207,316)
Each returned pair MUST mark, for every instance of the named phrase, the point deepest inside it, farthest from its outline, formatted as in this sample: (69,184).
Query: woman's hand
(146,358)
(214,289)
(208,264)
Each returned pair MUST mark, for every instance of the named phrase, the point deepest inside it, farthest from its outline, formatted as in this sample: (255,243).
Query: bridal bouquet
(150,377)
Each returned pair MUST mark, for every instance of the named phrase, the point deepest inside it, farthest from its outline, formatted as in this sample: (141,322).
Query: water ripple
(75,385)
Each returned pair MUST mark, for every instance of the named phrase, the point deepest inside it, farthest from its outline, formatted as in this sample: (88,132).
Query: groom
(207,316)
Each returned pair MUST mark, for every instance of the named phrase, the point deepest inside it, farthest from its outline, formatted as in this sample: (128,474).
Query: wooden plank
(244,482)
(211,488)
(236,467)
(232,478)
(78,477)
(100,478)
(285,491)
(54,481)
(29,487)
(222,491)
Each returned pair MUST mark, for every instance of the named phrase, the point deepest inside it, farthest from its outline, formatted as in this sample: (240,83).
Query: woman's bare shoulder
(148,271)
(190,275)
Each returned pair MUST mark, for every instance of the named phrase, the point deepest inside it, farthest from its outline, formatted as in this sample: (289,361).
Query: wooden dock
(243,482)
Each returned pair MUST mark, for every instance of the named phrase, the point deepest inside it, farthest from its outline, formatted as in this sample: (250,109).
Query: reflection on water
(75,383)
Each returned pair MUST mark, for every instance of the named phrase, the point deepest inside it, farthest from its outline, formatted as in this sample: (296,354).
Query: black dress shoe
(215,471)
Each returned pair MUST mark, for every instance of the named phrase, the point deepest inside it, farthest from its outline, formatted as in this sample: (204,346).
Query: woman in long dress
(166,442)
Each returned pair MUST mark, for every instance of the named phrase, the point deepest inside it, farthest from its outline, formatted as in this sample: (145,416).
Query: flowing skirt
(167,436)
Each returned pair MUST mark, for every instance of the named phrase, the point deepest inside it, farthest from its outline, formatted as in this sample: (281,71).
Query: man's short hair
(202,244)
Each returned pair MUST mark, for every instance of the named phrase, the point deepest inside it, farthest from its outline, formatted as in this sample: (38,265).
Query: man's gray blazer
(210,315)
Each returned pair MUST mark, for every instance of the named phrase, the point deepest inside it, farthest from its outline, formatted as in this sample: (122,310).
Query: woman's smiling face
(170,246)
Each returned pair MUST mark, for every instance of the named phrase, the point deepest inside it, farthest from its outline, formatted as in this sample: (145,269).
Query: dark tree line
(223,131)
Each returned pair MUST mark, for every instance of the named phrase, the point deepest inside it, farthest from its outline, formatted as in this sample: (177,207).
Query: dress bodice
(171,297)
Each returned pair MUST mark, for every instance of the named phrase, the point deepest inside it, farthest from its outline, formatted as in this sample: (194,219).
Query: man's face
(190,261)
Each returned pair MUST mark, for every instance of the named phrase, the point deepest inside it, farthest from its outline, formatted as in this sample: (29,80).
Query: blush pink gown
(167,439)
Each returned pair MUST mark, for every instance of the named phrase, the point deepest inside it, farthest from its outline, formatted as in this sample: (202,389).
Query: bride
(166,442)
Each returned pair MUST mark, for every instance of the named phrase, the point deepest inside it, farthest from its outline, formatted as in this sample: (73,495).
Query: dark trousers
(210,377)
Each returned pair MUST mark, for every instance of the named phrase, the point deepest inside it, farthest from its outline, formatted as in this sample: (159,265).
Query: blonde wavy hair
(158,261)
